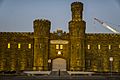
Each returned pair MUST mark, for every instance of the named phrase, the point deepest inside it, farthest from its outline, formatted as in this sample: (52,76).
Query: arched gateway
(59,64)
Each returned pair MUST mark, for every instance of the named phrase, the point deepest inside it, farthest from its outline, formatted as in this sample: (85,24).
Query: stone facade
(101,48)
(12,57)
(82,51)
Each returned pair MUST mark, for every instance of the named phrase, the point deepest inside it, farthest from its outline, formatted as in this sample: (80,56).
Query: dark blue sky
(18,15)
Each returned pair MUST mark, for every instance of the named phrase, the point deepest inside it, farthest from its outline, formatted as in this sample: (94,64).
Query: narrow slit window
(40,45)
(119,45)
(88,46)
(109,46)
(8,45)
(29,46)
(99,46)
(19,45)
(61,46)
(57,46)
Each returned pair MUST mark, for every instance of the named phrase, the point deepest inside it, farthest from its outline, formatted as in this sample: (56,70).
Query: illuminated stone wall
(82,51)
(59,41)
(101,48)
(77,28)
(41,44)
(12,57)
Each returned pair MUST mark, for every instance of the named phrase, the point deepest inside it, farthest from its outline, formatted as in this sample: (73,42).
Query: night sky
(18,15)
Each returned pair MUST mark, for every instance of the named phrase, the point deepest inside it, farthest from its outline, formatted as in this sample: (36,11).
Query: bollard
(59,72)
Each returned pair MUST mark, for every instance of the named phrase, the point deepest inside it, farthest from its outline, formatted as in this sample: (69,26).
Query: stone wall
(12,57)
(99,48)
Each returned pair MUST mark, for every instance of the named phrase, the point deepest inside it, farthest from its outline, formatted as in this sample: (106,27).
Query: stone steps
(59,73)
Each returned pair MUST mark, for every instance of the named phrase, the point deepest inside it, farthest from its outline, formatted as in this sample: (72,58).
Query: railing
(31,73)
(80,73)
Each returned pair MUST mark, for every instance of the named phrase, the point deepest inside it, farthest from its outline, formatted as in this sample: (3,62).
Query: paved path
(62,75)
(59,77)
(59,73)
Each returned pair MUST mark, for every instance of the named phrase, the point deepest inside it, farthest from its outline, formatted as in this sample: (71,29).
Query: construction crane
(106,25)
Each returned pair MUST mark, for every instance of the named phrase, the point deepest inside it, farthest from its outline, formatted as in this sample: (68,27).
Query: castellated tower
(41,44)
(77,37)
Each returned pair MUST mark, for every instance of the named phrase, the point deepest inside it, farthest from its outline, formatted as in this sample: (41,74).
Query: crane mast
(106,25)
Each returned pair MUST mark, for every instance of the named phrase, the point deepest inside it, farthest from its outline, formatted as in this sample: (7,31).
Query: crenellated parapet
(16,33)
(41,22)
(13,36)
(41,27)
(102,36)
(41,43)
(77,9)
(59,34)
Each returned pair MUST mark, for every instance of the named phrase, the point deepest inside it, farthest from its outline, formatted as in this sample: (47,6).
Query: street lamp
(111,60)
(49,64)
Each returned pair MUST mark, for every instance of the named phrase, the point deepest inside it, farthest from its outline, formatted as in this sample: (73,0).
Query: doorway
(59,64)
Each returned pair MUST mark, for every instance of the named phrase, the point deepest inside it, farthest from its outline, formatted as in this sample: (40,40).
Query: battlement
(16,33)
(41,27)
(76,5)
(38,21)
(102,36)
(59,31)
(77,9)
(59,34)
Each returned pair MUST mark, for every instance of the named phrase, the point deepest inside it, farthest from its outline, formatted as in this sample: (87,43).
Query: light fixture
(111,59)
(59,52)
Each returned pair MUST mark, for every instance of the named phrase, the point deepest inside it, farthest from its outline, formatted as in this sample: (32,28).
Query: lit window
(61,46)
(40,45)
(119,46)
(57,46)
(88,46)
(8,45)
(19,45)
(34,68)
(109,46)
(98,46)
(29,46)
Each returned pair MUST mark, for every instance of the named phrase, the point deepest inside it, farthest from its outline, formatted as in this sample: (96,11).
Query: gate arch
(59,64)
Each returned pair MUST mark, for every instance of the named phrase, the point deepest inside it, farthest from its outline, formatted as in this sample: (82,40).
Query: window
(29,46)
(8,45)
(61,46)
(34,68)
(119,46)
(78,63)
(98,46)
(88,46)
(19,45)
(40,45)
(109,46)
(57,46)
